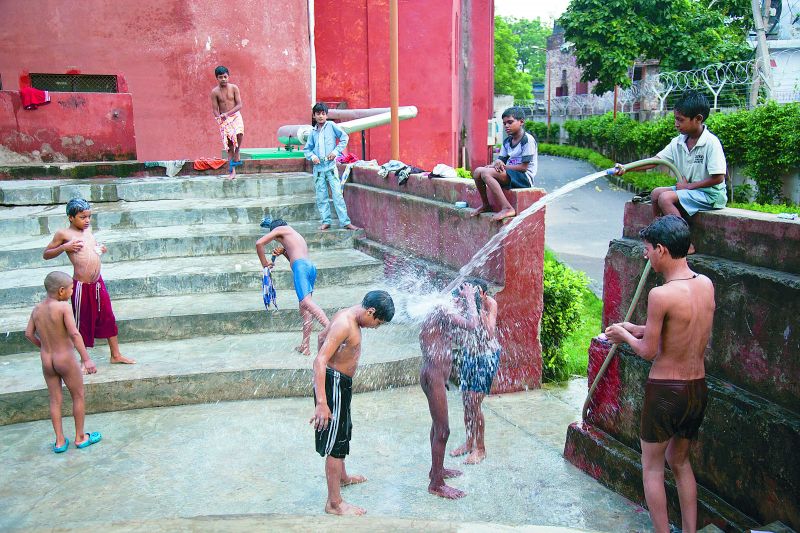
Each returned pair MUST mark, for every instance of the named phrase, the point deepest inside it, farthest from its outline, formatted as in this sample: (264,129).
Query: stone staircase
(185,282)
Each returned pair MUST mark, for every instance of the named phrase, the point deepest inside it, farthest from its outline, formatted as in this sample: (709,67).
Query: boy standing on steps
(52,329)
(514,169)
(334,368)
(226,102)
(304,273)
(326,142)
(698,155)
(91,304)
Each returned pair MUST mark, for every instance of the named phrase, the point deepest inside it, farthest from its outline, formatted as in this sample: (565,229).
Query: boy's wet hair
(55,280)
(382,302)
(277,223)
(693,103)
(220,70)
(670,231)
(76,205)
(517,113)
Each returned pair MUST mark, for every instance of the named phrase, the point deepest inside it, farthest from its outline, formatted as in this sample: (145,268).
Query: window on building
(581,87)
(75,83)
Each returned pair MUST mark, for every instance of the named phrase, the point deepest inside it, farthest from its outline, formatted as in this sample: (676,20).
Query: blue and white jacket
(321,142)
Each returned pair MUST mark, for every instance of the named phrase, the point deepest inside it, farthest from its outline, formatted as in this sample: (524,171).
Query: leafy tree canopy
(533,35)
(507,79)
(609,35)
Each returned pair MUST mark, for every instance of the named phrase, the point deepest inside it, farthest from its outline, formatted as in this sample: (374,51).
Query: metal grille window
(75,83)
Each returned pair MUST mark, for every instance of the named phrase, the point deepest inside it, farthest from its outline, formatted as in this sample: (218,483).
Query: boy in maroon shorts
(91,304)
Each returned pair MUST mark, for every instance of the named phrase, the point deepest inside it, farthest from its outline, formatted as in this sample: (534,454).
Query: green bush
(770,208)
(764,141)
(540,131)
(563,289)
(743,194)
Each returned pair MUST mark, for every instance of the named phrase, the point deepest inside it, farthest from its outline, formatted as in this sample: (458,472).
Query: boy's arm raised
(77,340)
(472,321)
(30,333)
(61,244)
(337,334)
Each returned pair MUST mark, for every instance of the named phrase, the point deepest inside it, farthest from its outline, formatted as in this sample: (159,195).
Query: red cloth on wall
(33,98)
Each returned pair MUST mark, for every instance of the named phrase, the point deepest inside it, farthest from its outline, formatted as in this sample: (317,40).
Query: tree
(507,79)
(609,35)
(532,34)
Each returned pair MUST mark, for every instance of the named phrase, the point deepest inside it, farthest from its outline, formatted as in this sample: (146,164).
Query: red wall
(352,50)
(72,127)
(167,51)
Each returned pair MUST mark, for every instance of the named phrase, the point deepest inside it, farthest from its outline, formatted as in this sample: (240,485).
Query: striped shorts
(335,440)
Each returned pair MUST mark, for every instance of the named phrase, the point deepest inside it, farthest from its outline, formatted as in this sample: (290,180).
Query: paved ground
(580,225)
(257,457)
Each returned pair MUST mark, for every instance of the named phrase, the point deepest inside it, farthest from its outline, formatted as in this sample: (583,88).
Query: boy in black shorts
(334,367)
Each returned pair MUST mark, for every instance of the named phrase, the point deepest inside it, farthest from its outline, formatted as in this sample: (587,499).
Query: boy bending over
(436,337)
(52,329)
(334,368)
(304,273)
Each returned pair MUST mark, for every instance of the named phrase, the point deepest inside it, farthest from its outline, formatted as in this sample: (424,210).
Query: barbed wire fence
(728,86)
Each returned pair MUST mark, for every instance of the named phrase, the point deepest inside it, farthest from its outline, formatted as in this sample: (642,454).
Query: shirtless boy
(52,329)
(437,334)
(294,247)
(680,314)
(334,368)
(226,102)
(91,304)
(481,360)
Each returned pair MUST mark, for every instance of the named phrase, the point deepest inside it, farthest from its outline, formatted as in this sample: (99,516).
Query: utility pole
(762,51)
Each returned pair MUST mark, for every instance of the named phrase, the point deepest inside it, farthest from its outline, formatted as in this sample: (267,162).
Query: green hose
(639,288)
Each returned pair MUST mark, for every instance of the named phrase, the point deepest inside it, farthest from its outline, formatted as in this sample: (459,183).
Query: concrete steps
(205,369)
(185,283)
(46,219)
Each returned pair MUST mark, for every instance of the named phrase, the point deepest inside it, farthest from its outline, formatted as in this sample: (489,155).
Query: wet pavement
(257,457)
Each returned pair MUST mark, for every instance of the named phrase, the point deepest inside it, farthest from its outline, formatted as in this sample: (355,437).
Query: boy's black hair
(670,231)
(515,112)
(220,70)
(693,103)
(277,223)
(76,205)
(320,107)
(382,302)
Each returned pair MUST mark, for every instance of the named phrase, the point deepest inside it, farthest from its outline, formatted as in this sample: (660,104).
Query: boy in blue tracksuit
(326,142)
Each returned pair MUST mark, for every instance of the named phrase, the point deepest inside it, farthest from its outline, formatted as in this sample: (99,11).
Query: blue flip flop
(62,448)
(94,438)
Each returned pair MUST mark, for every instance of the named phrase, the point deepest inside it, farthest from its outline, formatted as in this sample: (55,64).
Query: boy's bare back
(343,336)
(687,307)
(293,243)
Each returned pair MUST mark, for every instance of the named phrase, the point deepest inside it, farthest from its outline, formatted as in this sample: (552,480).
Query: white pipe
(312,52)
(359,124)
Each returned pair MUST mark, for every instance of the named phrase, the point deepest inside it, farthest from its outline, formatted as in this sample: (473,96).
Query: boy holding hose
(698,155)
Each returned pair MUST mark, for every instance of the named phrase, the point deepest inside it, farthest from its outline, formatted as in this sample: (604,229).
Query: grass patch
(576,345)
(767,208)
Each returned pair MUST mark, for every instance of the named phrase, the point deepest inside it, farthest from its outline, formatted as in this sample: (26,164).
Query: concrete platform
(236,461)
